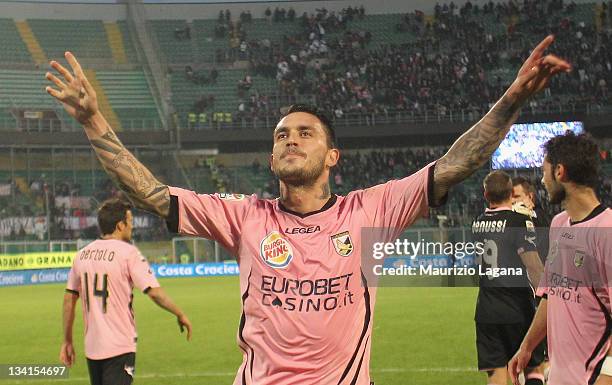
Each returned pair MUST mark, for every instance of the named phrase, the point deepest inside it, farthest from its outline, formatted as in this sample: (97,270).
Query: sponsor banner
(38,225)
(195,270)
(33,277)
(22,225)
(40,260)
(80,223)
(40,276)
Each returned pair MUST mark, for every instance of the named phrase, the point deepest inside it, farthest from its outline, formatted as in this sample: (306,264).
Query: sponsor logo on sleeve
(231,197)
(342,243)
(276,251)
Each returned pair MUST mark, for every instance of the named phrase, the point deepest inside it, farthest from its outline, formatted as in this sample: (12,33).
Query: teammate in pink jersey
(307,306)
(575,311)
(104,274)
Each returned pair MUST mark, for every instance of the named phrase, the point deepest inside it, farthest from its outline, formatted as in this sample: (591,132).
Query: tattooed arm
(79,99)
(131,176)
(472,150)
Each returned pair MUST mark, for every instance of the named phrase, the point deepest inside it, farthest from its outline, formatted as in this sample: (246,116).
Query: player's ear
(270,161)
(333,156)
(560,172)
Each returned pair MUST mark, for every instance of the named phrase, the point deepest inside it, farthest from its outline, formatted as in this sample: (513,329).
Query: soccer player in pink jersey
(103,275)
(307,307)
(575,311)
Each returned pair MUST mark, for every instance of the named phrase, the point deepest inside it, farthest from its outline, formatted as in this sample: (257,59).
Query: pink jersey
(104,274)
(307,308)
(576,282)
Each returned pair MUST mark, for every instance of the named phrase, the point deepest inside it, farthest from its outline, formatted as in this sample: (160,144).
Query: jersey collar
(330,202)
(596,211)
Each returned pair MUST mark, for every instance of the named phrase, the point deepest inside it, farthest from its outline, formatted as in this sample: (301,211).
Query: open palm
(74,92)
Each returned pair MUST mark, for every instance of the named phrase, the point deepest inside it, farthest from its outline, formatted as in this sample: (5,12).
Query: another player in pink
(103,275)
(575,312)
(307,308)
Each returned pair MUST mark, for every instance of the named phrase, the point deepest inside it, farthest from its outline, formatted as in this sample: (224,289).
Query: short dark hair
(526,184)
(111,212)
(498,186)
(579,155)
(312,110)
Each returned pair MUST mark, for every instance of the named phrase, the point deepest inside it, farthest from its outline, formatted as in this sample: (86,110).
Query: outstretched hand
(74,90)
(536,72)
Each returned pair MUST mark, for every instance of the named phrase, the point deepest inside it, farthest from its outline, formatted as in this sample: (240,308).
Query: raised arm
(472,150)
(79,99)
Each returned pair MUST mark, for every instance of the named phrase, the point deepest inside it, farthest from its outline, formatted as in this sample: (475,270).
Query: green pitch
(422,336)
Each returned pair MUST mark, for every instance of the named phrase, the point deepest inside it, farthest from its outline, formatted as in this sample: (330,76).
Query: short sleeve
(603,254)
(140,272)
(214,216)
(74,281)
(399,203)
(526,236)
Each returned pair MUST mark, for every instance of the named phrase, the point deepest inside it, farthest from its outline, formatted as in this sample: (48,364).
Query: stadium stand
(87,38)
(456,61)
(15,49)
(360,68)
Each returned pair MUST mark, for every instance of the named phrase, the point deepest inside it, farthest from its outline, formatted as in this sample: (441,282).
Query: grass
(422,336)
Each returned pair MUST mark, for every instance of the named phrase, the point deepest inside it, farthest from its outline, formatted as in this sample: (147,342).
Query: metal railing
(20,247)
(70,125)
(394,117)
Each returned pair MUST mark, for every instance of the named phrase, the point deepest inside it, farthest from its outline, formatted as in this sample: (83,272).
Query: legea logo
(276,251)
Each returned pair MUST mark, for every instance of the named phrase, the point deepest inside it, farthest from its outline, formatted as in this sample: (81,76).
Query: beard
(557,194)
(300,176)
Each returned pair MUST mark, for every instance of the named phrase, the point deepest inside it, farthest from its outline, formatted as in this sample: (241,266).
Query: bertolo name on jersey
(489,226)
(97,255)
